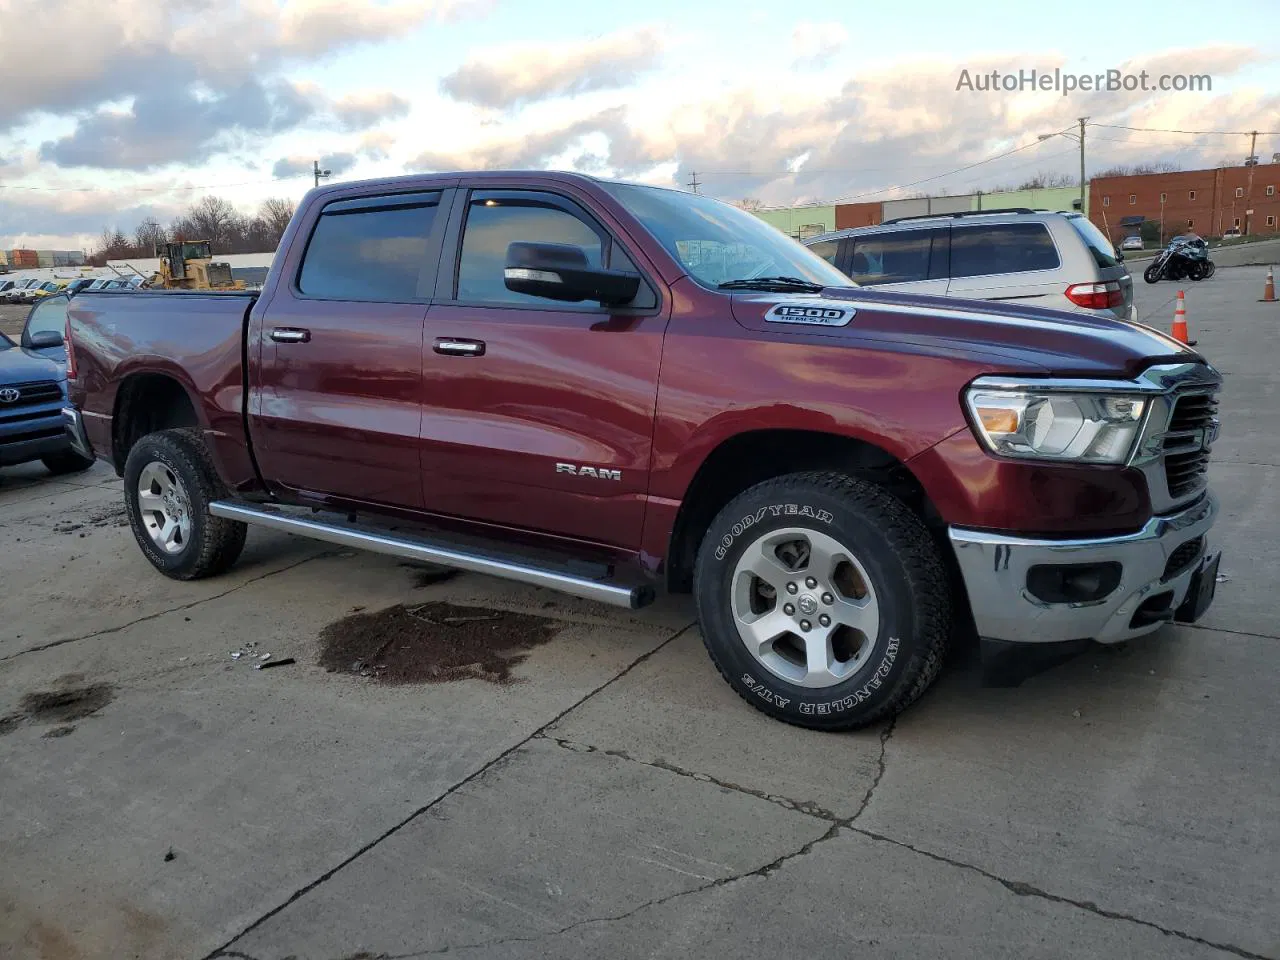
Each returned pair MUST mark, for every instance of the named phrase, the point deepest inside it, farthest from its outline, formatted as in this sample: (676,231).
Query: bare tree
(275,214)
(1046,179)
(212,219)
(147,236)
(749,204)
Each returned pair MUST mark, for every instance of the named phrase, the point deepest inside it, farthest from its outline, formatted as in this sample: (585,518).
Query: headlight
(1043,424)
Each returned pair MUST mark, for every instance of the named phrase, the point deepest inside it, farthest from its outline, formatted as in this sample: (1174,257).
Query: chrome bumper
(995,575)
(74,425)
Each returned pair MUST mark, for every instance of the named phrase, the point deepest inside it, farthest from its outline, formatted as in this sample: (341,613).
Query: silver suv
(1058,260)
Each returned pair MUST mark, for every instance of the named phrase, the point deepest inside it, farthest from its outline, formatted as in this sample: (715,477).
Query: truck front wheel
(822,600)
(169,482)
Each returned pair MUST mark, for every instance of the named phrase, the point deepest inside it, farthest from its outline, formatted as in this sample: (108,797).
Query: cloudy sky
(116,110)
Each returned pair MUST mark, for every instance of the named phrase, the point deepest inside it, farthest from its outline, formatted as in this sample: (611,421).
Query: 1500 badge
(821,313)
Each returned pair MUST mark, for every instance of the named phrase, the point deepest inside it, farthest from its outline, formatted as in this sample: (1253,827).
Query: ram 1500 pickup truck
(604,387)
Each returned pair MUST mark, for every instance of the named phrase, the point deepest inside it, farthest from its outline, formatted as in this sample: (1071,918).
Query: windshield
(1104,254)
(718,243)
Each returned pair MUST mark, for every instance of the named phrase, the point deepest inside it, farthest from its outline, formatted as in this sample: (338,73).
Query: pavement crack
(164,613)
(807,807)
(1234,633)
(885,734)
(395,828)
(1021,889)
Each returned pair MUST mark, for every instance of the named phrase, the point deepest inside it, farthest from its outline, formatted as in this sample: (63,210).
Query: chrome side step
(413,548)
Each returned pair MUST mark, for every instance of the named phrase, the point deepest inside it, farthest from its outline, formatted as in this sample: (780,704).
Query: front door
(337,407)
(538,414)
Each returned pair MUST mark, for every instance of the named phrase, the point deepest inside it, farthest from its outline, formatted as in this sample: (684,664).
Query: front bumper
(995,571)
(74,426)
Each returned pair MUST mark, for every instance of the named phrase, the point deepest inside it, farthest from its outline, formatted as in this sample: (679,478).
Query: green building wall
(790,220)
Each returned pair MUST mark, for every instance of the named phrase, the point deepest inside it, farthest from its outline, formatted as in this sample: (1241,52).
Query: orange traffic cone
(1179,329)
(1269,289)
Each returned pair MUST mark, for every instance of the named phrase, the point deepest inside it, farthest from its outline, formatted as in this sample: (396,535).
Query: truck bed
(197,337)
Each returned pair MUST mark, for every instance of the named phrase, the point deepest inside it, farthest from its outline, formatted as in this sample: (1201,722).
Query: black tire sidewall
(875,683)
(150,449)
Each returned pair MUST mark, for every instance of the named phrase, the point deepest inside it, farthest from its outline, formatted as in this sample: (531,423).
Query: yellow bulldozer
(188,265)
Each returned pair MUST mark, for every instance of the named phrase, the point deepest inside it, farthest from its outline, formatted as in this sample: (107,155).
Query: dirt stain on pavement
(433,643)
(425,574)
(67,702)
(110,517)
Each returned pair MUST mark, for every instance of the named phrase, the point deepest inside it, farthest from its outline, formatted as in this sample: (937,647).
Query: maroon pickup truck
(603,387)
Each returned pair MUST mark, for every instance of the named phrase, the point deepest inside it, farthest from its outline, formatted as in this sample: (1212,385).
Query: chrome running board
(414,548)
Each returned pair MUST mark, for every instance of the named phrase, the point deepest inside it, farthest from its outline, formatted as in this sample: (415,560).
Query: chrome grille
(42,392)
(1185,450)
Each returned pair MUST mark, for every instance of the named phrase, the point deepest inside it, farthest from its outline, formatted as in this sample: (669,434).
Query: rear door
(907,261)
(338,402)
(538,414)
(1006,261)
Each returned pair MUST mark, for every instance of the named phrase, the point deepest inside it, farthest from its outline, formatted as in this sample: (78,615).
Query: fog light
(1073,582)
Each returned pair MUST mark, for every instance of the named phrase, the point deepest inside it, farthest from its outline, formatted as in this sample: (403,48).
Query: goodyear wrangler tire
(169,482)
(822,600)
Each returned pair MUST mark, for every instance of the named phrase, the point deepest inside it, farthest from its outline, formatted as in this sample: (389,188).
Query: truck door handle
(452,347)
(290,335)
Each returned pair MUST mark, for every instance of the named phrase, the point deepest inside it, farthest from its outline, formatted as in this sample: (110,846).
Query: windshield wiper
(772,283)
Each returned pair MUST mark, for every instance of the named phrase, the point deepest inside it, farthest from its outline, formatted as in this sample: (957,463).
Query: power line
(694,182)
(1198,133)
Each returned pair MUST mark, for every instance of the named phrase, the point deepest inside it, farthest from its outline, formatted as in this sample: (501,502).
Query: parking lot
(596,789)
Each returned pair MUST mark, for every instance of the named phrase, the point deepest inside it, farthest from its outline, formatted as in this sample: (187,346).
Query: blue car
(33,393)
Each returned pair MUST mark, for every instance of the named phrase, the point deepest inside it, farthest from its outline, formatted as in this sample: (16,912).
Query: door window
(48,315)
(371,249)
(1002,248)
(496,220)
(899,257)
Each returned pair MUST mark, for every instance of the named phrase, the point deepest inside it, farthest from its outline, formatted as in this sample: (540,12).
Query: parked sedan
(17,293)
(1131,243)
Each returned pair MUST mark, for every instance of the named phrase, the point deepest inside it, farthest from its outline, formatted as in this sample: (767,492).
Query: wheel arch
(745,459)
(145,402)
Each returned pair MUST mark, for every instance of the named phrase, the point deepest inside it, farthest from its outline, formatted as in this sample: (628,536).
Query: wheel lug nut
(806,626)
(792,588)
(828,598)
(824,620)
(789,609)
(811,583)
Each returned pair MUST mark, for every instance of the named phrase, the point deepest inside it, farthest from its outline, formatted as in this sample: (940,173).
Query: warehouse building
(1207,202)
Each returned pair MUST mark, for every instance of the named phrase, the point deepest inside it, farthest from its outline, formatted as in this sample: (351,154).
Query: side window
(496,220)
(897,257)
(826,249)
(372,249)
(47,315)
(1002,248)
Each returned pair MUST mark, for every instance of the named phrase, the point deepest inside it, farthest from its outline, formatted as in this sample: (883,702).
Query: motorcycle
(1185,258)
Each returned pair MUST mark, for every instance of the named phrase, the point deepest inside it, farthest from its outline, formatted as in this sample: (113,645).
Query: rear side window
(1100,248)
(372,249)
(826,249)
(1002,248)
(898,257)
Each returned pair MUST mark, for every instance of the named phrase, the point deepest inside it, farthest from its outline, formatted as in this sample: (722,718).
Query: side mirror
(46,338)
(559,271)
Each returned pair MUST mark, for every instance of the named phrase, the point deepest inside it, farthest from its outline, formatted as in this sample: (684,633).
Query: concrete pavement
(620,800)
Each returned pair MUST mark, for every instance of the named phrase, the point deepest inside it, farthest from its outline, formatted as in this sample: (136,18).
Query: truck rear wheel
(169,482)
(823,600)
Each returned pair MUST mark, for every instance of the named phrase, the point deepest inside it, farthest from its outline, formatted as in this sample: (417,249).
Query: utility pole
(694,183)
(1248,193)
(319,174)
(1082,187)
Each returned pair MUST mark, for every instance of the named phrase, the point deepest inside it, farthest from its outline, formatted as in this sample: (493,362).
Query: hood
(18,365)
(1019,338)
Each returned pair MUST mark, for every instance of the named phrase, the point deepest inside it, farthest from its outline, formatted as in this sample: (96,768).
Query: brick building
(1208,202)
(857,215)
